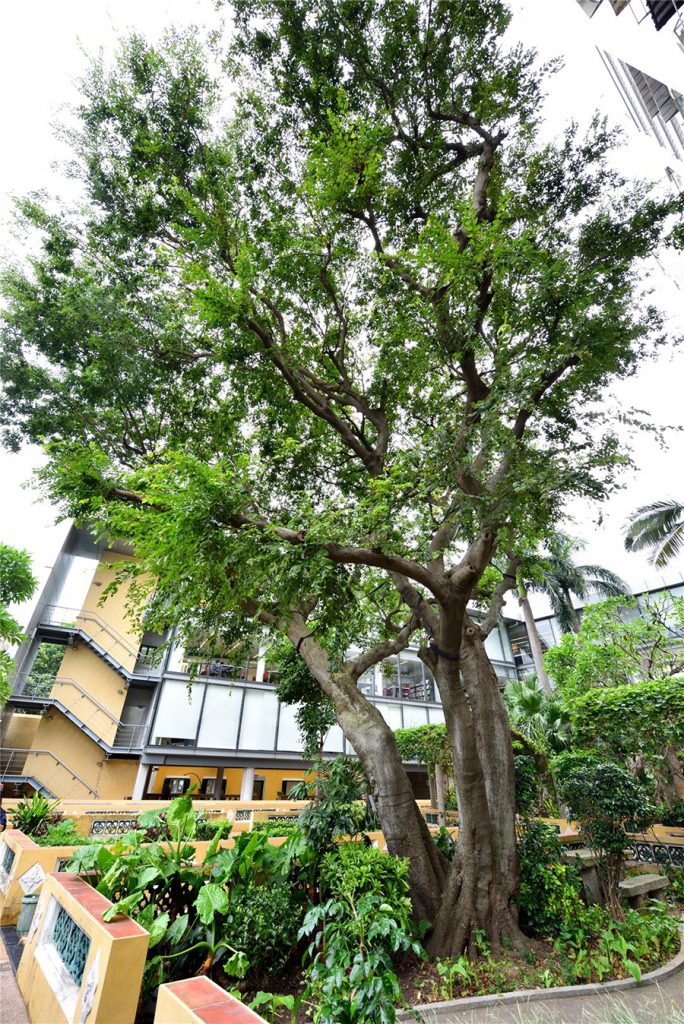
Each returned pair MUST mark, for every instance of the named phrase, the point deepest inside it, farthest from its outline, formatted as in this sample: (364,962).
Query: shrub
(365,920)
(262,922)
(527,783)
(64,833)
(206,828)
(608,803)
(275,828)
(549,892)
(671,814)
(33,816)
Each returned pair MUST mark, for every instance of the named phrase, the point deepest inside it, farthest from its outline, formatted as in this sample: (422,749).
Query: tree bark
(535,640)
(484,875)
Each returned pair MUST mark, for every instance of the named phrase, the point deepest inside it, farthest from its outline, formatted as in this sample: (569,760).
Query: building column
(218,785)
(247,787)
(141,779)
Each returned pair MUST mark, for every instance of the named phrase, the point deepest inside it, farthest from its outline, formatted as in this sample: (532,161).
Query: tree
(660,527)
(554,574)
(622,641)
(321,362)
(17,584)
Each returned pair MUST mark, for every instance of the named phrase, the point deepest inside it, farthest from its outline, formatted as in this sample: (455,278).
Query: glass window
(289,737)
(334,741)
(493,646)
(178,712)
(220,717)
(367,681)
(259,714)
(411,682)
(430,685)
(390,677)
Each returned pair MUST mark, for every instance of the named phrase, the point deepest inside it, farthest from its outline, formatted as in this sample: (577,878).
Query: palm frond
(603,581)
(659,526)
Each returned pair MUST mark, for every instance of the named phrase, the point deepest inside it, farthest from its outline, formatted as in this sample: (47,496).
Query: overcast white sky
(42,46)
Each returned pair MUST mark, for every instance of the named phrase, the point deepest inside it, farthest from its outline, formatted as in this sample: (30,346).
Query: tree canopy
(325,358)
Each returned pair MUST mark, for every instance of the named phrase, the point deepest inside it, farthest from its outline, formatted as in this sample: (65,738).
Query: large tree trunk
(404,827)
(535,640)
(484,875)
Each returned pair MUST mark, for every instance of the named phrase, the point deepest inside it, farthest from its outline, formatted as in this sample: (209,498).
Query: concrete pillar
(140,785)
(247,787)
(218,785)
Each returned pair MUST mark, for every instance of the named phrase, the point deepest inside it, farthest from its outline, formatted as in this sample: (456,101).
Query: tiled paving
(12,1009)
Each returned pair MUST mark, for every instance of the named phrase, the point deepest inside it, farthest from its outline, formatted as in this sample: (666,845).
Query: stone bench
(637,888)
(586,860)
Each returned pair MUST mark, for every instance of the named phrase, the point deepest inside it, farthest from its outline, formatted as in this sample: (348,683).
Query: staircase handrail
(86,614)
(26,751)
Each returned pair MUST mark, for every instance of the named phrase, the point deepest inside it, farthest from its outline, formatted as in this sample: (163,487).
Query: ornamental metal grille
(7,859)
(71,944)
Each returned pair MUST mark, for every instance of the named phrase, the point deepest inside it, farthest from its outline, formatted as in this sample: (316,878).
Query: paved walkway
(12,1009)
(653,1004)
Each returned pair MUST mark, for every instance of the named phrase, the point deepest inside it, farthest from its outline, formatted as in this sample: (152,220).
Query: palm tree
(659,526)
(537,715)
(555,575)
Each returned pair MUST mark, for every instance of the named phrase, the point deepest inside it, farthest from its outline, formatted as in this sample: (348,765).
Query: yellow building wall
(114,610)
(109,778)
(273,778)
(96,678)
(20,731)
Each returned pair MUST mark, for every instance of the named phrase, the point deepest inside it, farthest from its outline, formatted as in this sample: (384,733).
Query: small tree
(553,572)
(608,803)
(621,641)
(17,583)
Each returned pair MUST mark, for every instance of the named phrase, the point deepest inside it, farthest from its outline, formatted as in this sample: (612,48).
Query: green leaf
(180,819)
(177,930)
(158,929)
(633,969)
(212,900)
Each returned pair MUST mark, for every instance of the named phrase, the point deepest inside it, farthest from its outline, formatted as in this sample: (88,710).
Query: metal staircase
(13,768)
(80,707)
(58,624)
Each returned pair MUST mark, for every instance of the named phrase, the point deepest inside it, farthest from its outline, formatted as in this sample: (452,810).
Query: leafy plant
(336,807)
(263,922)
(276,828)
(549,892)
(364,921)
(672,813)
(63,833)
(33,816)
